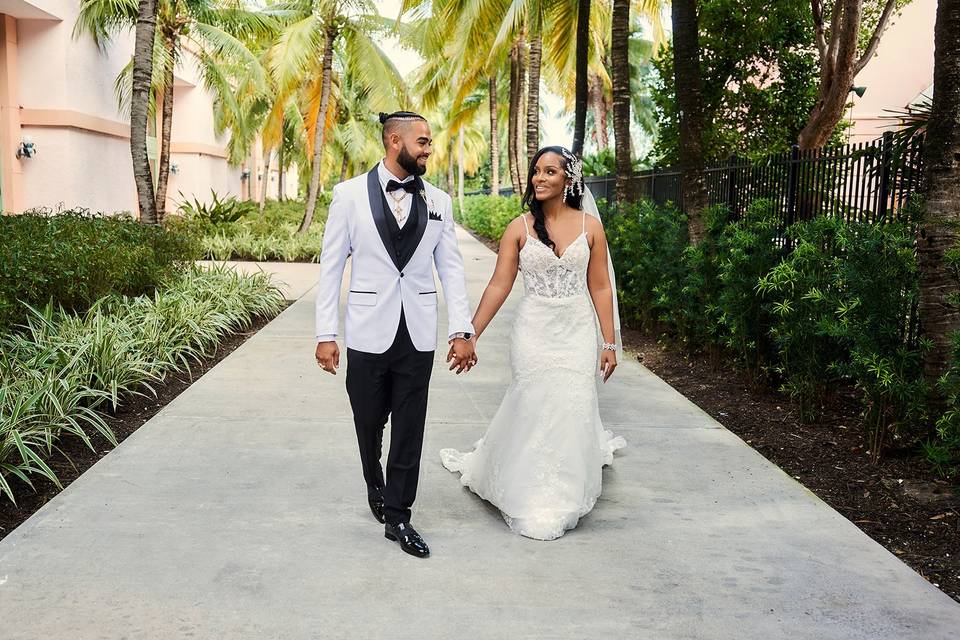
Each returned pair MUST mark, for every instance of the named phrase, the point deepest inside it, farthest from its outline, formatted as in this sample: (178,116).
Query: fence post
(731,185)
(653,182)
(886,157)
(794,170)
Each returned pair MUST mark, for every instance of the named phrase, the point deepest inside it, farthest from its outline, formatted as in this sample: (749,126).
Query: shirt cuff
(327,338)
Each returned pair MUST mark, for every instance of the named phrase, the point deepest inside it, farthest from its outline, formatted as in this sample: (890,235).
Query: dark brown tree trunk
(460,171)
(533,96)
(266,180)
(620,70)
(344,166)
(522,114)
(601,112)
(686,64)
(839,64)
(513,118)
(281,173)
(494,138)
(582,76)
(938,231)
(451,182)
(319,135)
(139,105)
(166,126)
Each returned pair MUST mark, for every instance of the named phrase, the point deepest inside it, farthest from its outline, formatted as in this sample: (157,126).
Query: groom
(396,228)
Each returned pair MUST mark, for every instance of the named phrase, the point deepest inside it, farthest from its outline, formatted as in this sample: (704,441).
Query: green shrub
(219,211)
(646,244)
(488,216)
(57,375)
(75,258)
(271,236)
(747,251)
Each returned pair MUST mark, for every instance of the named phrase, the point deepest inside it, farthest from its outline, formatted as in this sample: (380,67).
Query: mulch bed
(901,503)
(130,416)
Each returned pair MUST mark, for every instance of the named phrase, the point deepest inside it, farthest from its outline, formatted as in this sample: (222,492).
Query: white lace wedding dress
(541,458)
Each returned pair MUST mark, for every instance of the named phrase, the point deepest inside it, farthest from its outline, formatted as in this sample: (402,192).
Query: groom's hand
(328,356)
(462,355)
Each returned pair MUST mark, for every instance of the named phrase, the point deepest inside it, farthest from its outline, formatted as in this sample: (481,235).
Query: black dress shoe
(410,541)
(376,507)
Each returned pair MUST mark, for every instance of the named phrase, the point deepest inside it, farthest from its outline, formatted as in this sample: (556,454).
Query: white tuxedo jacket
(380,282)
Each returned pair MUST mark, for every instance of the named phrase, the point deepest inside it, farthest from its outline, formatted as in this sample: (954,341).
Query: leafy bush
(65,368)
(270,236)
(218,211)
(747,251)
(75,258)
(646,246)
(488,215)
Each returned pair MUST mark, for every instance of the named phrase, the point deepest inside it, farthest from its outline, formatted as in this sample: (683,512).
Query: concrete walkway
(239,512)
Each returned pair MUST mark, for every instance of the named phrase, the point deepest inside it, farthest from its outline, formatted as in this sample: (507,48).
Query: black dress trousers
(391,385)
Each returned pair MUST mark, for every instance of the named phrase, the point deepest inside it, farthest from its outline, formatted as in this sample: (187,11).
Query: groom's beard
(409,163)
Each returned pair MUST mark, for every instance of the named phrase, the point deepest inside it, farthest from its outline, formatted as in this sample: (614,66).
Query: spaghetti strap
(583,226)
(523,217)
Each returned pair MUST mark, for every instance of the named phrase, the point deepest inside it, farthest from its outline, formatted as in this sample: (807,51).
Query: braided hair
(573,193)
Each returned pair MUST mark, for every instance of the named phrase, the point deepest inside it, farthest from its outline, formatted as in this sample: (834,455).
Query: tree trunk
(344,167)
(494,138)
(938,231)
(451,180)
(319,134)
(582,91)
(533,94)
(620,69)
(266,180)
(601,109)
(686,64)
(281,190)
(839,65)
(521,113)
(166,125)
(139,104)
(513,119)
(460,172)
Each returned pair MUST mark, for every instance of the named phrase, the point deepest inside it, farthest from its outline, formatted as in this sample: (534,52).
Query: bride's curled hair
(574,198)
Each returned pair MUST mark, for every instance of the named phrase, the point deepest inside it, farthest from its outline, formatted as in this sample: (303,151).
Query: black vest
(404,240)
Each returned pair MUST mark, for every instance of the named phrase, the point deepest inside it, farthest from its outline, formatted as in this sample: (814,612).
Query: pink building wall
(58,92)
(900,72)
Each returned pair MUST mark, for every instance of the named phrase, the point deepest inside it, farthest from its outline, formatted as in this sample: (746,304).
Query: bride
(540,460)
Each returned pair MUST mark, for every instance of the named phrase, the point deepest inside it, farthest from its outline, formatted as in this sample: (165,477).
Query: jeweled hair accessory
(574,171)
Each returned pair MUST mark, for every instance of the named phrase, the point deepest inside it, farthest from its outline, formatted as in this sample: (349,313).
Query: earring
(567,190)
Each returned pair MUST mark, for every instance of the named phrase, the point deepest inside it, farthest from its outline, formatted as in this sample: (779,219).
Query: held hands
(608,362)
(328,356)
(462,355)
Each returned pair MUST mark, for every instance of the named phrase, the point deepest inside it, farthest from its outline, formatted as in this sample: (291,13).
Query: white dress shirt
(405,204)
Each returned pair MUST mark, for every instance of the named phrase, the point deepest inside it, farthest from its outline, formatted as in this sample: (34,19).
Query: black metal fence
(869,181)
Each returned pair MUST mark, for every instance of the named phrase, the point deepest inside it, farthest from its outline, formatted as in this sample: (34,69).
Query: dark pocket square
(435,216)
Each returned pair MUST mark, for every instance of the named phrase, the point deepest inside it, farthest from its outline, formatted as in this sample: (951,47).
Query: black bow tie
(410,186)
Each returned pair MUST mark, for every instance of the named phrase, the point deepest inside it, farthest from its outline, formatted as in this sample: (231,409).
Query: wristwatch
(463,335)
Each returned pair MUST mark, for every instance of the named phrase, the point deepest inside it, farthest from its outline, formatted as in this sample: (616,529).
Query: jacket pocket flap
(365,298)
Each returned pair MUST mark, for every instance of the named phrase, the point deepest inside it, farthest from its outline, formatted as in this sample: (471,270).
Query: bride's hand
(608,362)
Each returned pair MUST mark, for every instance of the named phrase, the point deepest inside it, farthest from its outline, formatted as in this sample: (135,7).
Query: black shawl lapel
(375,195)
(419,208)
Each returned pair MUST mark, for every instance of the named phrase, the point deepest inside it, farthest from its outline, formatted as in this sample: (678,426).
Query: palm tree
(938,232)
(306,49)
(582,79)
(146,23)
(686,65)
(620,80)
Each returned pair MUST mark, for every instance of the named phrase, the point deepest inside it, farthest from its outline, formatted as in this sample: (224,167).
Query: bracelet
(609,346)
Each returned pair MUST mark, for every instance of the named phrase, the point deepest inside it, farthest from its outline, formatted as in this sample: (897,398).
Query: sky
(554,128)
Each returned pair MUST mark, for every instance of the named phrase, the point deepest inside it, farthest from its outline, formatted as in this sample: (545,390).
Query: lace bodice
(546,275)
